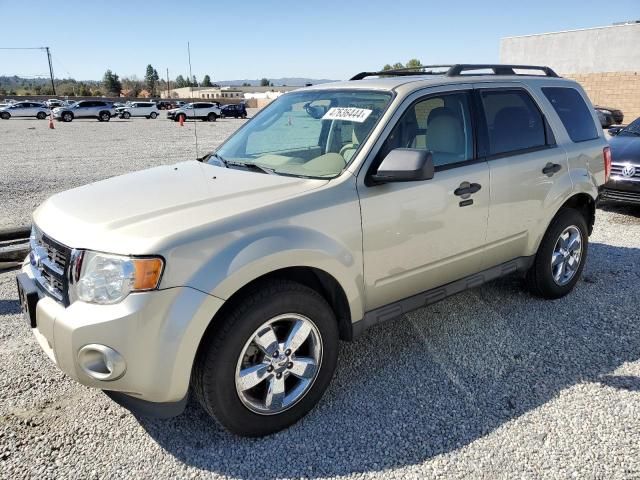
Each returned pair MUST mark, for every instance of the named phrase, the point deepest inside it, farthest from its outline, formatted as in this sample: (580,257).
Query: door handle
(466,189)
(551,168)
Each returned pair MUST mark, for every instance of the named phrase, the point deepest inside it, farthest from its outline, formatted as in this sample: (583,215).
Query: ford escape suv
(337,207)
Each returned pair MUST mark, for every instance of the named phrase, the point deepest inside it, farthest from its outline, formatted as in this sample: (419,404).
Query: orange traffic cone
(181,120)
(51,122)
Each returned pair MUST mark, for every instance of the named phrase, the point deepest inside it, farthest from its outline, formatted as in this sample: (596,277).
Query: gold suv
(337,207)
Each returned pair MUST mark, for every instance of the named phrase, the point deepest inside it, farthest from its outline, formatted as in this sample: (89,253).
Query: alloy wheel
(279,364)
(567,255)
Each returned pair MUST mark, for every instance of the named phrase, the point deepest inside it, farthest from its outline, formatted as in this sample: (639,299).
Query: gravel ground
(490,383)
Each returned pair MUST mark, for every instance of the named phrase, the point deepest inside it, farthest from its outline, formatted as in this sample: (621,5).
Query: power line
(46,49)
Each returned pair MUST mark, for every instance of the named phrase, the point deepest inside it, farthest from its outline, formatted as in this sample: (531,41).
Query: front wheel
(126,115)
(67,116)
(269,360)
(5,115)
(153,115)
(212,117)
(561,256)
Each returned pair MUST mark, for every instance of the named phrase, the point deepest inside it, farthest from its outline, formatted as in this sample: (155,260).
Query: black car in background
(235,111)
(616,114)
(624,183)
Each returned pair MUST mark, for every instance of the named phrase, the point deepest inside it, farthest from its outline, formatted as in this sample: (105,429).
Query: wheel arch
(585,204)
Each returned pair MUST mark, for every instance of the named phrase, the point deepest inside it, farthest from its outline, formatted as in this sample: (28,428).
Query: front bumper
(156,333)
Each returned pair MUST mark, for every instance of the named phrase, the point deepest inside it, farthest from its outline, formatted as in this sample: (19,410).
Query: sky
(331,39)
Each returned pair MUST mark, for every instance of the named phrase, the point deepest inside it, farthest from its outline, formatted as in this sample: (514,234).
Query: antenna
(195,127)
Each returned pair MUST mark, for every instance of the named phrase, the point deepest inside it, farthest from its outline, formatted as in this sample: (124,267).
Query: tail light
(606,153)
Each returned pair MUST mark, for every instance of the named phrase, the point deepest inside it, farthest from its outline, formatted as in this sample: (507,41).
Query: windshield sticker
(350,114)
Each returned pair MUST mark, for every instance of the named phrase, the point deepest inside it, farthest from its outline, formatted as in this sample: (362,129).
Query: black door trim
(428,297)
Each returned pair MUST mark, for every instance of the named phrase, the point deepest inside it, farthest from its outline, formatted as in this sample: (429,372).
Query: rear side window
(573,112)
(513,120)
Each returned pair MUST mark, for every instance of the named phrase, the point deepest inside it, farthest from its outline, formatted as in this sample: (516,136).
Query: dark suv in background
(235,111)
(624,184)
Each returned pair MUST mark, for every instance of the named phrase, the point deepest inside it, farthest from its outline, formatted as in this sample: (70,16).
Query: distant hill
(288,81)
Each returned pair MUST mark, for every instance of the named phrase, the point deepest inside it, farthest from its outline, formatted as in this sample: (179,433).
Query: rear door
(528,169)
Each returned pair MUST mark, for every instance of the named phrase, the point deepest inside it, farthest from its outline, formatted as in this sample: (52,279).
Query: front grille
(621,196)
(617,168)
(50,260)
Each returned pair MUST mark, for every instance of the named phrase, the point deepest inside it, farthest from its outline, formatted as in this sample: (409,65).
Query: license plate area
(28,296)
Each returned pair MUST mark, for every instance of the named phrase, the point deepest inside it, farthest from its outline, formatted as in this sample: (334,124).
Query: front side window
(440,124)
(633,129)
(308,133)
(573,113)
(513,121)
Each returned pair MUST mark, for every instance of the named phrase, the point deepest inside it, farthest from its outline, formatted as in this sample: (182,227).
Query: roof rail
(456,70)
(399,72)
(498,69)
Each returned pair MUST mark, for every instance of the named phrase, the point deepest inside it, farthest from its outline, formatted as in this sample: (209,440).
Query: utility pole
(53,85)
(168,86)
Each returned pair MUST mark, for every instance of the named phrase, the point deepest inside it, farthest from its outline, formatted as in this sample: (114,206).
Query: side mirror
(405,165)
(614,130)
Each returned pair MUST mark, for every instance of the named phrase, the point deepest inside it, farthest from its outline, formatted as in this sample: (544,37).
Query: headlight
(107,279)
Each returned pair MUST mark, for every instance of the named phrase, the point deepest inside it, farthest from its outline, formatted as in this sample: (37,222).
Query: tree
(397,65)
(181,82)
(387,67)
(264,82)
(206,81)
(414,63)
(151,78)
(111,83)
(246,84)
(83,90)
(194,81)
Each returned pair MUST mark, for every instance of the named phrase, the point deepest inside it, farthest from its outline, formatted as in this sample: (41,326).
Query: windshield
(309,133)
(632,129)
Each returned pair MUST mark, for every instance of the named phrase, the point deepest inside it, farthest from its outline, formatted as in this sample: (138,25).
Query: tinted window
(440,124)
(573,112)
(513,121)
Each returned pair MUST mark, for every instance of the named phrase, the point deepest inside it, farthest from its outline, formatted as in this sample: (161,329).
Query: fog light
(101,362)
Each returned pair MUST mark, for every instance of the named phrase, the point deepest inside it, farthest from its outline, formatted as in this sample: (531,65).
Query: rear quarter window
(573,112)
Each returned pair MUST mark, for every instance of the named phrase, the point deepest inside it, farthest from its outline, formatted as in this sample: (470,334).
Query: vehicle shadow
(439,379)
(621,208)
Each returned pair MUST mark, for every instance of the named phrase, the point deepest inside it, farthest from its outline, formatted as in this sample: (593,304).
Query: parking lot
(490,383)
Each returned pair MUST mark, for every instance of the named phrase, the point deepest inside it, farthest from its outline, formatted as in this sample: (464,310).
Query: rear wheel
(41,116)
(105,116)
(269,360)
(212,117)
(153,115)
(561,256)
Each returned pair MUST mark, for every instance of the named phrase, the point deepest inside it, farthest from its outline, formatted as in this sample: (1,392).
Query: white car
(25,109)
(139,109)
(206,111)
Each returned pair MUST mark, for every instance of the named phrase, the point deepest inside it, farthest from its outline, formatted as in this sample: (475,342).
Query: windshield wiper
(248,166)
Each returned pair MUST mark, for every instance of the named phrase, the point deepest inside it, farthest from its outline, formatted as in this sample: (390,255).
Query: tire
(549,282)
(153,115)
(67,116)
(104,116)
(276,306)
(41,116)
(212,117)
(126,115)
(5,115)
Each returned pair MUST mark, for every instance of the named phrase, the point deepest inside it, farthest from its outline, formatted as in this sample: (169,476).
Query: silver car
(336,208)
(25,109)
(99,109)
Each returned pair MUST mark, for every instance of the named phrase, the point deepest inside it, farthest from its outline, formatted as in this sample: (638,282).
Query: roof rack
(457,70)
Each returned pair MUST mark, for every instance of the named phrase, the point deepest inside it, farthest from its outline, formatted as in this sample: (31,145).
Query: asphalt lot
(490,383)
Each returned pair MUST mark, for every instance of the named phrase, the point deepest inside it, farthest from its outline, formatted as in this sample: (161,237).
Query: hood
(625,148)
(140,212)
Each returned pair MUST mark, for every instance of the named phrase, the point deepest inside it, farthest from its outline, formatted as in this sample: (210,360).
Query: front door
(421,235)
